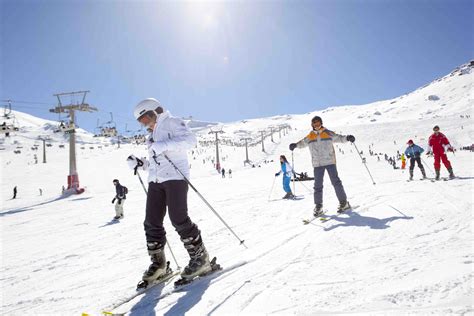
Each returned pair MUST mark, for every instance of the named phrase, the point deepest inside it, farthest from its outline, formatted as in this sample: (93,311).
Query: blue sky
(226,60)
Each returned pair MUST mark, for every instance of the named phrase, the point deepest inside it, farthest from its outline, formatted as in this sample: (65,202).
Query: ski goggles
(148,118)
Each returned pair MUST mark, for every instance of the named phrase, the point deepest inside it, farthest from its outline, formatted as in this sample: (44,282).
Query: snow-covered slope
(407,248)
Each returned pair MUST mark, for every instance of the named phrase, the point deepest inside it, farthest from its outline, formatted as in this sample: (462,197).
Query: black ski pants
(418,161)
(174,195)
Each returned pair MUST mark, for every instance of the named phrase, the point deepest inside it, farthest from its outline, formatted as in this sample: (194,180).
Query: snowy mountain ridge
(450,95)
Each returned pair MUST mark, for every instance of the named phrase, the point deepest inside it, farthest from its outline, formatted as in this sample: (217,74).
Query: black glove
(119,201)
(292,146)
(408,156)
(277,174)
(350,138)
(113,201)
(134,163)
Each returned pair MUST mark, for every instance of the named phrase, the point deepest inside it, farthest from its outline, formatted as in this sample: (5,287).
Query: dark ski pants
(174,195)
(418,161)
(336,182)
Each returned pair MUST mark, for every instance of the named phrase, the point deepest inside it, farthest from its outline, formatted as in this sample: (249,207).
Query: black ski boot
(199,258)
(158,262)
(451,173)
(288,195)
(318,210)
(423,173)
(343,206)
(437,174)
(411,174)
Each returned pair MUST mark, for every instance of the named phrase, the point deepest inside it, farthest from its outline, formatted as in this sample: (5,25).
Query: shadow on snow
(355,219)
(31,207)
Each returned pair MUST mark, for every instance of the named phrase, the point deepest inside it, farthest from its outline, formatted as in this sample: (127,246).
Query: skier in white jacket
(167,188)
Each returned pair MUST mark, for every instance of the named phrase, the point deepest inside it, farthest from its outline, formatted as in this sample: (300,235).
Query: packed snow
(406,249)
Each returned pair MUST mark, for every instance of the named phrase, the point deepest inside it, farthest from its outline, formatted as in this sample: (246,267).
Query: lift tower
(73,177)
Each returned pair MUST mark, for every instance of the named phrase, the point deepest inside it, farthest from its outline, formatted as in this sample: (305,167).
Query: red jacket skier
(438,143)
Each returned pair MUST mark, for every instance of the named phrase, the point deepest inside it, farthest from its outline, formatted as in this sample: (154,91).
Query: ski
(183,281)
(295,198)
(175,289)
(420,179)
(441,179)
(307,221)
(325,219)
(144,286)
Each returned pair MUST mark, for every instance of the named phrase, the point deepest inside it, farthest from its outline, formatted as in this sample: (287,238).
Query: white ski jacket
(320,143)
(170,137)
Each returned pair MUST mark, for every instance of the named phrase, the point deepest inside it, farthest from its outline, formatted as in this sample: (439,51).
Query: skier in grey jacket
(320,142)
(167,189)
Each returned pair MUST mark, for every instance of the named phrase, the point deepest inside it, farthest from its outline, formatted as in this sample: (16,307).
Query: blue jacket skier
(413,152)
(287,172)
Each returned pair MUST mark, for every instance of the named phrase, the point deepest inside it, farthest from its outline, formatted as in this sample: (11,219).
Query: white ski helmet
(147,105)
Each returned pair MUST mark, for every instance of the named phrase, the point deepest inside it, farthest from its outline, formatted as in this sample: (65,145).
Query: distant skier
(14,192)
(287,173)
(167,188)
(414,152)
(41,192)
(119,199)
(404,160)
(230,173)
(223,173)
(439,143)
(320,142)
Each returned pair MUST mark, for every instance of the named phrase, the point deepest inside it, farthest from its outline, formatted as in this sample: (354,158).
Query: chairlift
(6,129)
(67,127)
(110,128)
(98,130)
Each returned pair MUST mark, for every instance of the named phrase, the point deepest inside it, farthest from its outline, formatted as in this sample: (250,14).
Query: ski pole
(141,181)
(301,182)
(205,201)
(294,178)
(427,166)
(271,190)
(167,243)
(373,182)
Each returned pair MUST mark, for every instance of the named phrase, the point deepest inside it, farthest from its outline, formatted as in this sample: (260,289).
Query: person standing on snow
(230,173)
(223,173)
(119,199)
(287,173)
(438,145)
(320,142)
(404,161)
(14,192)
(168,189)
(414,153)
